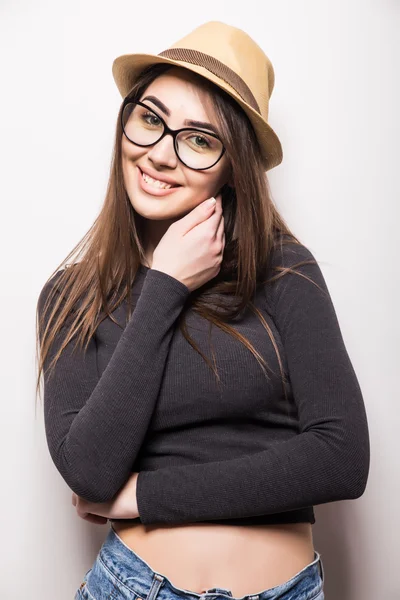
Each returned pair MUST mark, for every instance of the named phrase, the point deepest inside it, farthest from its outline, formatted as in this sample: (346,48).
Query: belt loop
(155,587)
(321,568)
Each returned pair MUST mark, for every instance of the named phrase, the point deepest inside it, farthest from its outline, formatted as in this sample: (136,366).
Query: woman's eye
(201,141)
(151,119)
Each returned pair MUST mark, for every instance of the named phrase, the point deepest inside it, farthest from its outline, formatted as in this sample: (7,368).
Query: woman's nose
(163,152)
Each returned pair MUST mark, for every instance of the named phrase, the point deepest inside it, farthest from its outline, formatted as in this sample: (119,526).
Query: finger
(85,508)
(217,211)
(195,217)
(96,519)
(211,221)
(221,252)
(215,218)
(221,229)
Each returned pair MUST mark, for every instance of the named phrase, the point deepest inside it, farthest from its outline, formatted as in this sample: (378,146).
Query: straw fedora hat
(229,58)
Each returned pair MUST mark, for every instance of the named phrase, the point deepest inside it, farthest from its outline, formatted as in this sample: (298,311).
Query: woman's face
(185,99)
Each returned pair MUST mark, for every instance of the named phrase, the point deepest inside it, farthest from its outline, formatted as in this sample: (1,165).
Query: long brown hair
(111,252)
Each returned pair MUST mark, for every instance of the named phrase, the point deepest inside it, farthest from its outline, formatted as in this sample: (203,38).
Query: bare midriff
(242,558)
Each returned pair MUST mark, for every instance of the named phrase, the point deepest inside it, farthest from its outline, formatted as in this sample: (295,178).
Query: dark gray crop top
(142,399)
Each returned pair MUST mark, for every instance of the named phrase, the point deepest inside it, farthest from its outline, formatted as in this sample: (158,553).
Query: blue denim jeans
(118,573)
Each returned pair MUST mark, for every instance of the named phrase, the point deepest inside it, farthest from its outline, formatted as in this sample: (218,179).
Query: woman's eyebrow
(167,112)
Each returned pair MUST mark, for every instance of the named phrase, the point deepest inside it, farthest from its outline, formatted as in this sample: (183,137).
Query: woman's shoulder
(288,252)
(294,275)
(55,282)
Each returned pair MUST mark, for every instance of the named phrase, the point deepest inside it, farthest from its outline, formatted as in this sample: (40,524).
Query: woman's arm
(122,506)
(327,461)
(96,425)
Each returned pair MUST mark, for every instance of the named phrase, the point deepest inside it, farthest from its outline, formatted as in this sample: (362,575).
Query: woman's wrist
(128,508)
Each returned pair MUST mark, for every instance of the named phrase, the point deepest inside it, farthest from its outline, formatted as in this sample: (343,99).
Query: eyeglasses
(195,148)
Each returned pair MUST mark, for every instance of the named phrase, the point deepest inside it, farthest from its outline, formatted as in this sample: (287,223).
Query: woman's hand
(122,506)
(191,250)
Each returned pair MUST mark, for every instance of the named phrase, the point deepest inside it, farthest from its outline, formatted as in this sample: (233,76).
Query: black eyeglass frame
(169,131)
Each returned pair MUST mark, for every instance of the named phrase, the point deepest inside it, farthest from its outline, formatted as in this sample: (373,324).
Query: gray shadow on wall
(90,538)
(337,535)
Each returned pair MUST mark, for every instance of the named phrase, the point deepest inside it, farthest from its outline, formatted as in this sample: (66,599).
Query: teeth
(156,182)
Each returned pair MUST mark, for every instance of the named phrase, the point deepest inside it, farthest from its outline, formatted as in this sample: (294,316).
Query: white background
(335,108)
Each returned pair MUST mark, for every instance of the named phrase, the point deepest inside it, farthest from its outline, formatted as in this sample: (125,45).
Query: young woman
(197,390)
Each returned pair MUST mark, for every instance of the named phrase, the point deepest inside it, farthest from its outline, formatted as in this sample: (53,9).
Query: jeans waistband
(135,574)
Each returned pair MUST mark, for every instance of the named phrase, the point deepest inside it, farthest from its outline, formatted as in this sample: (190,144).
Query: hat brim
(126,69)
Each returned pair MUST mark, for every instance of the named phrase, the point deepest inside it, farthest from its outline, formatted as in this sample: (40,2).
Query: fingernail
(210,202)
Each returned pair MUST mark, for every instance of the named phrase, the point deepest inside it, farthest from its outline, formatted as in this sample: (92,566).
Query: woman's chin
(156,209)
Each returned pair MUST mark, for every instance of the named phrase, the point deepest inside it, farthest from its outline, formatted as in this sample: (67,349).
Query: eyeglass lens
(196,149)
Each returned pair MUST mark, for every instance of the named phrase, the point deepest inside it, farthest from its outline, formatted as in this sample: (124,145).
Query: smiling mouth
(156,183)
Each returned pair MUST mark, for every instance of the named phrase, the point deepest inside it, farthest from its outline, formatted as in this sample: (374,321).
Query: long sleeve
(96,425)
(328,460)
